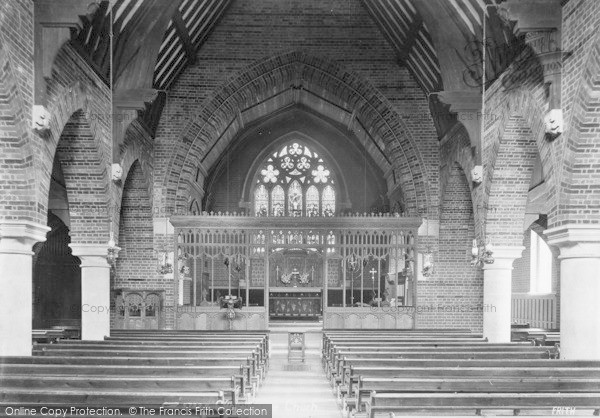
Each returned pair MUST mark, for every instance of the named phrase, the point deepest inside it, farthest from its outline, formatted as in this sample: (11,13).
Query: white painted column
(497,284)
(16,283)
(95,290)
(579,290)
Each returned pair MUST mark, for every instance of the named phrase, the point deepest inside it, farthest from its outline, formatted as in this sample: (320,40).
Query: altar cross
(373,272)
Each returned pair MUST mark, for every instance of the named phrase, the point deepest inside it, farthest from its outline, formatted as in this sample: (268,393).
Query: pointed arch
(327,88)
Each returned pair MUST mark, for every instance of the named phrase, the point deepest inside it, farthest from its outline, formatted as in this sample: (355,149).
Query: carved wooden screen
(353,261)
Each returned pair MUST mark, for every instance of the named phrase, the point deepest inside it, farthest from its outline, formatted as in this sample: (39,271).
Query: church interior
(337,208)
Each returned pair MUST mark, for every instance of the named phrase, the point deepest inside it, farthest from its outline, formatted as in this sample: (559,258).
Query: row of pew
(538,336)
(139,368)
(383,373)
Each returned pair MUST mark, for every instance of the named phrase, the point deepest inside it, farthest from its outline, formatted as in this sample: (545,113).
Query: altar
(295,303)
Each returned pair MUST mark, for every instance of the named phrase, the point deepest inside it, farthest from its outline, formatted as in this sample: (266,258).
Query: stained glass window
(328,201)
(261,200)
(295,199)
(290,176)
(277,201)
(312,201)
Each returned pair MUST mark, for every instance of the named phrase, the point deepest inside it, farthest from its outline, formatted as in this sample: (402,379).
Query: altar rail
(539,311)
(401,317)
(211,318)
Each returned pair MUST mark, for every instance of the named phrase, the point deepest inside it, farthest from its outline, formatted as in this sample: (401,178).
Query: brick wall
(17,187)
(452,298)
(348,38)
(579,195)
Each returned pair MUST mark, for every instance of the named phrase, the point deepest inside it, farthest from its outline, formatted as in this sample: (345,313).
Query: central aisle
(297,390)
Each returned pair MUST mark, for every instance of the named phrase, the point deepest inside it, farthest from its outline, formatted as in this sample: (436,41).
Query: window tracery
(294,181)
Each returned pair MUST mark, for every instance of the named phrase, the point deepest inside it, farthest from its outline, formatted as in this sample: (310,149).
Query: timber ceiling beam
(137,44)
(451,46)
(413,34)
(184,36)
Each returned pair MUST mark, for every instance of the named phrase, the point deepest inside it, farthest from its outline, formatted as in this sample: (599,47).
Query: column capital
(504,256)
(18,237)
(91,255)
(575,240)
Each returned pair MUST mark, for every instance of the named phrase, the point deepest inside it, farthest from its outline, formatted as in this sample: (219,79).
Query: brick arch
(515,144)
(135,230)
(69,104)
(457,231)
(283,79)
(578,193)
(509,185)
(86,181)
(461,154)
(17,157)
(137,147)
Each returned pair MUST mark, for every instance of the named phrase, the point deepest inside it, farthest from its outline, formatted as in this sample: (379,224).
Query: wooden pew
(130,370)
(171,346)
(407,340)
(139,368)
(508,384)
(232,387)
(337,350)
(260,363)
(365,379)
(334,366)
(48,335)
(384,404)
(262,340)
(113,397)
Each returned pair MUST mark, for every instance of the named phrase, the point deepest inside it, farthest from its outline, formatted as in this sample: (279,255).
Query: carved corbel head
(40,118)
(117,172)
(477,174)
(554,124)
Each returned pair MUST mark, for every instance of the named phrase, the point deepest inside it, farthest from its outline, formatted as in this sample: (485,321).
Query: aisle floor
(297,390)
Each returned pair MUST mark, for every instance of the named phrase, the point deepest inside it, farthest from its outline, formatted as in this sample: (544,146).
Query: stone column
(497,283)
(16,281)
(579,289)
(95,290)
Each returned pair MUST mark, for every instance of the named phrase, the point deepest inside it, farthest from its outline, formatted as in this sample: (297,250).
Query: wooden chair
(296,346)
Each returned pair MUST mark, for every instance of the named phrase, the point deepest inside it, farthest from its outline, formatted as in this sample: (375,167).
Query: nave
(350,373)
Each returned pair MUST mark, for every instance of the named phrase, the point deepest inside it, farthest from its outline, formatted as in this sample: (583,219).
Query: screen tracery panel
(348,262)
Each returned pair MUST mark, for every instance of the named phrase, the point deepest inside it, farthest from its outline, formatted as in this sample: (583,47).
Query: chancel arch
(323,86)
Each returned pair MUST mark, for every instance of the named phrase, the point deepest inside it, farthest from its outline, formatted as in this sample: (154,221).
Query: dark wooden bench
(140,365)
(232,387)
(333,365)
(366,379)
(508,384)
(48,335)
(114,397)
(384,404)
